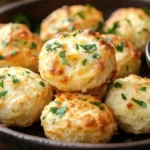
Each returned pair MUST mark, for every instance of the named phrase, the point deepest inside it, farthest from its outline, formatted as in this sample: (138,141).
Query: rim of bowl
(45,141)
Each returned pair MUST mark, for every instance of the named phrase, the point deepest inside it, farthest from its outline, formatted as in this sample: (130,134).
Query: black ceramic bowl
(33,138)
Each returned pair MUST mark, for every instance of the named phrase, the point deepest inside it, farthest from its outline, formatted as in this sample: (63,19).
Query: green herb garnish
(139,102)
(5,43)
(100,26)
(53,121)
(3,93)
(15,80)
(84,62)
(2,77)
(123,96)
(65,34)
(59,111)
(89,48)
(33,45)
(77,46)
(2,84)
(120,47)
(13,53)
(2,57)
(81,14)
(98,105)
(128,21)
(114,28)
(95,56)
(63,54)
(143,89)
(117,85)
(42,83)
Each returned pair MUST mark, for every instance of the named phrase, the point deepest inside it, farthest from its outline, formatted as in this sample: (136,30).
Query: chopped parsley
(2,84)
(77,46)
(128,21)
(70,19)
(84,62)
(139,102)
(42,83)
(13,53)
(100,26)
(15,80)
(65,34)
(28,72)
(117,85)
(43,118)
(62,54)
(84,99)
(5,43)
(89,48)
(143,89)
(2,77)
(147,11)
(95,56)
(33,45)
(55,46)
(81,14)
(3,93)
(60,112)
(2,57)
(120,47)
(53,121)
(114,28)
(98,105)
(123,96)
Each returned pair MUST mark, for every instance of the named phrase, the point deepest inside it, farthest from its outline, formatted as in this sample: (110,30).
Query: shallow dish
(33,137)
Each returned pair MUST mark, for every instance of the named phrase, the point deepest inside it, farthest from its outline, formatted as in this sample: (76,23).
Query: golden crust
(19,47)
(86,119)
(128,59)
(133,25)
(71,66)
(69,18)
(23,95)
(130,103)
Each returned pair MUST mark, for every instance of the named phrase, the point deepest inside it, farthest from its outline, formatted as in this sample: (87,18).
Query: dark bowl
(33,137)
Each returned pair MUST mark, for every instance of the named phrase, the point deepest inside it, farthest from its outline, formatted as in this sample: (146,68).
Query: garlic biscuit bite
(23,95)
(81,61)
(129,99)
(71,18)
(132,24)
(19,47)
(78,118)
(127,56)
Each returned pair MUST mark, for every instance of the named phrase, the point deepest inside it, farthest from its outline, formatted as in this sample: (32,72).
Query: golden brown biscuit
(23,95)
(132,24)
(127,56)
(78,118)
(70,18)
(129,99)
(82,61)
(19,47)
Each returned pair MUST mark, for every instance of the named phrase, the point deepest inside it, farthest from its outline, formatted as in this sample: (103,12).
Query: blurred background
(5,2)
